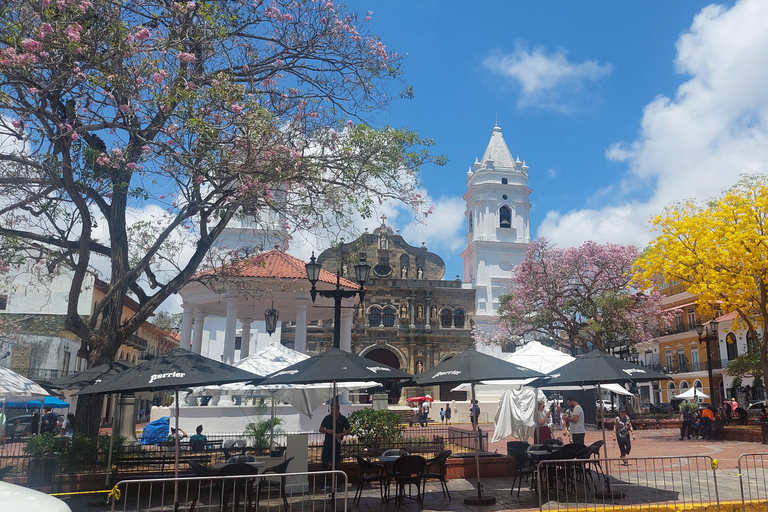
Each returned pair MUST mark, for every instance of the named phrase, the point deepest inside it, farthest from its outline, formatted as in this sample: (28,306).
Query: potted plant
(260,433)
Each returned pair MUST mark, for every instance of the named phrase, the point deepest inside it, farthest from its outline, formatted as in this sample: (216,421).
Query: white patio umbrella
(14,385)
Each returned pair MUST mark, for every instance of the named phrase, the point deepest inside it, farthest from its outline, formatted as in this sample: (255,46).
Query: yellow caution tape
(115,493)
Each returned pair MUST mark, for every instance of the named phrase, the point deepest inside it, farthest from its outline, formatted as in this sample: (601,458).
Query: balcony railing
(136,342)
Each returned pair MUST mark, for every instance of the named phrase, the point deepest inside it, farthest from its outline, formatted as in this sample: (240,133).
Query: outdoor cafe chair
(561,470)
(408,470)
(370,473)
(524,467)
(436,469)
(233,447)
(196,487)
(269,483)
(238,486)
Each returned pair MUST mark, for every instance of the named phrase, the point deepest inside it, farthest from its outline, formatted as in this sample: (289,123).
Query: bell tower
(498,225)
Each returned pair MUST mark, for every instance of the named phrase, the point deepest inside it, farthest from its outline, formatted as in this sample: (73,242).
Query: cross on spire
(383,218)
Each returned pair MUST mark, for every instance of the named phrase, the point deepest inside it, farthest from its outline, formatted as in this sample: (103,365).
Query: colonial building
(410,317)
(498,226)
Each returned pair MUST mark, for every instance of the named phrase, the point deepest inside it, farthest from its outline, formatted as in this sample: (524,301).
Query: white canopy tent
(275,356)
(692,393)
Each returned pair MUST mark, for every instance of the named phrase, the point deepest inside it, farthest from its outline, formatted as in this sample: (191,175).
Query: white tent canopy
(274,357)
(12,384)
(692,393)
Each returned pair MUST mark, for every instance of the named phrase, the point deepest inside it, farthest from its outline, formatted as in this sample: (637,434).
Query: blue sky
(618,108)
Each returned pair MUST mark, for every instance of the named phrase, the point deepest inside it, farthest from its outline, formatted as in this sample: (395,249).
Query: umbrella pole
(272,423)
(334,403)
(176,445)
(480,500)
(111,439)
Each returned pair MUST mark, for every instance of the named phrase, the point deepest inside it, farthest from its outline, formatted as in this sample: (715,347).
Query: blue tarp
(156,431)
(36,404)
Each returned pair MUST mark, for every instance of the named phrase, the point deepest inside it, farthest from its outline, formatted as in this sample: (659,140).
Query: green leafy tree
(373,427)
(193,113)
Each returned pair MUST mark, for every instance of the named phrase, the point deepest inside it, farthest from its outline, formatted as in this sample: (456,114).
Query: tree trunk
(88,417)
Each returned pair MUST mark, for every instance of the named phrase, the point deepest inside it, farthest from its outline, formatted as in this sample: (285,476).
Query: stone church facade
(411,317)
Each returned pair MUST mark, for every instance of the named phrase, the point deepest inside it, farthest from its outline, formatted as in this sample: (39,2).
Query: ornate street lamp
(362,272)
(707,334)
(270,318)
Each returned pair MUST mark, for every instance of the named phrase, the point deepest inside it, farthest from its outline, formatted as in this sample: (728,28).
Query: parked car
(666,408)
(606,405)
(16,497)
(648,407)
(758,405)
(24,425)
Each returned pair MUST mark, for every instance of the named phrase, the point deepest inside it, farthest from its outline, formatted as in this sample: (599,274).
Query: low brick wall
(748,433)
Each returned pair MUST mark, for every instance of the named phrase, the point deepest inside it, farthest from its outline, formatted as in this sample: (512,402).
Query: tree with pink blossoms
(198,111)
(578,297)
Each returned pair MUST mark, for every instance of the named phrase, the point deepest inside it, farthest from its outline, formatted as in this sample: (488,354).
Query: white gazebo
(243,291)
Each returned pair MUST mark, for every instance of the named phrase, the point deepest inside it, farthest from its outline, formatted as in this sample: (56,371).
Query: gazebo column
(197,336)
(245,343)
(185,336)
(230,330)
(345,343)
(346,330)
(300,338)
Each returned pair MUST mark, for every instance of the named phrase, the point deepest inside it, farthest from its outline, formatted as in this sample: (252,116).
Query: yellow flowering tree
(720,251)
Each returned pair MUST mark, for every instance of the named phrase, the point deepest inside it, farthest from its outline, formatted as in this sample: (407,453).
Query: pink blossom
(117,152)
(131,166)
(31,45)
(186,57)
(85,5)
(17,124)
(191,6)
(349,123)
(236,108)
(73,32)
(124,108)
(103,160)
(145,148)
(142,35)
(75,136)
(139,80)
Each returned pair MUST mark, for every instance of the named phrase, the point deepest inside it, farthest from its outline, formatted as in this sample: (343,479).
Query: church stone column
(300,338)
(245,344)
(185,336)
(412,311)
(197,336)
(230,331)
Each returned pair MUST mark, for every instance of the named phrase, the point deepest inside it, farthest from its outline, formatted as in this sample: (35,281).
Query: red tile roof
(279,265)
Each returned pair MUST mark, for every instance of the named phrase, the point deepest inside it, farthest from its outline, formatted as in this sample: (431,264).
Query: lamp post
(707,334)
(362,271)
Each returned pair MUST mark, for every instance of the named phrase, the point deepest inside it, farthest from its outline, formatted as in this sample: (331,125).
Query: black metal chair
(238,486)
(563,470)
(269,483)
(517,446)
(408,470)
(233,447)
(437,469)
(370,473)
(195,488)
(524,467)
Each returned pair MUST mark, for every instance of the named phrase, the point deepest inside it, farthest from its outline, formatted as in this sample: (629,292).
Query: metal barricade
(753,481)
(306,492)
(675,482)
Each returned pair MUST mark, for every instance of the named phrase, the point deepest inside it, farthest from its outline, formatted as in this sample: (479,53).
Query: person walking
(542,431)
(425,413)
(416,418)
(448,414)
(576,420)
(442,416)
(50,420)
(622,429)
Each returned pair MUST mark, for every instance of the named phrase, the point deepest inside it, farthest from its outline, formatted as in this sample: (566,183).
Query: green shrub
(373,427)
(259,432)
(46,444)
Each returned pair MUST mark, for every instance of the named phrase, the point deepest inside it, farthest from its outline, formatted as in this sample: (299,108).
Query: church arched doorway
(387,357)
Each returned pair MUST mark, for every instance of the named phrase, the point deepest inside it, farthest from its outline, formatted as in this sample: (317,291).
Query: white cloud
(697,143)
(547,81)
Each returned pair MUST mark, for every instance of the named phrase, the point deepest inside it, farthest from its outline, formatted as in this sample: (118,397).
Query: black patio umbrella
(334,366)
(88,377)
(472,366)
(596,368)
(176,369)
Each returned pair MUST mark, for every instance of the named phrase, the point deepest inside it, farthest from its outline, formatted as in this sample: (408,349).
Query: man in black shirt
(340,430)
(50,420)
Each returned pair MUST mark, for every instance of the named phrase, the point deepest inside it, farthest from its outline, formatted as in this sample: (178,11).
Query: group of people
(697,424)
(421,413)
(445,415)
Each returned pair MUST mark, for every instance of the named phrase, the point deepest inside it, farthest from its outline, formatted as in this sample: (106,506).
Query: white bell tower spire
(498,225)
